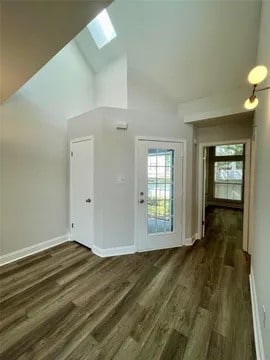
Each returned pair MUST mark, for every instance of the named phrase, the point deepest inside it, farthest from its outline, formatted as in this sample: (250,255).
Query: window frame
(213,158)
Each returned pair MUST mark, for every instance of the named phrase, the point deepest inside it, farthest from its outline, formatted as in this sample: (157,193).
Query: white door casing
(204,190)
(246,208)
(159,208)
(82,190)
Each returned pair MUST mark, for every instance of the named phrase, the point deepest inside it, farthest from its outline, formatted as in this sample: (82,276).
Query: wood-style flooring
(190,303)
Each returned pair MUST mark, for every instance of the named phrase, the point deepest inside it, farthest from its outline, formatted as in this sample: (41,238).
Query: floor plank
(198,341)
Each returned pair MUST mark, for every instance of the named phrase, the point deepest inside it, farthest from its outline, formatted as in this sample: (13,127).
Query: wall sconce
(255,77)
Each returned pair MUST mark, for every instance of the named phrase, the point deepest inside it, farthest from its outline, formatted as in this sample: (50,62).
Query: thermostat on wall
(122,125)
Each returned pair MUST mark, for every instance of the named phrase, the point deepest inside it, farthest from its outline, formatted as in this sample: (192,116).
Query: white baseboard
(256,320)
(191,241)
(161,248)
(121,250)
(30,250)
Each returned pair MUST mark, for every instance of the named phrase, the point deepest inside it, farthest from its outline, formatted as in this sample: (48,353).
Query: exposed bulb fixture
(257,74)
(251,103)
(255,77)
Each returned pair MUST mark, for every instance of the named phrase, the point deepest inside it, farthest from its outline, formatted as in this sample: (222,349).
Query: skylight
(101,29)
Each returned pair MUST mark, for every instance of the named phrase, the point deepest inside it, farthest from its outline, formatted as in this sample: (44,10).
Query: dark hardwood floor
(191,303)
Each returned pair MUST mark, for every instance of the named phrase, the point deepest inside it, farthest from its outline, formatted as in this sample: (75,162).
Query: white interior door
(82,192)
(204,189)
(160,195)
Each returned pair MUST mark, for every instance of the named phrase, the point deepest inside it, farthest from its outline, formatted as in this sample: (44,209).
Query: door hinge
(203,223)
(72,225)
(71,153)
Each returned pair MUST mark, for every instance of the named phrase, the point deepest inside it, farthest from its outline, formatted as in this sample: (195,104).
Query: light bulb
(257,74)
(250,105)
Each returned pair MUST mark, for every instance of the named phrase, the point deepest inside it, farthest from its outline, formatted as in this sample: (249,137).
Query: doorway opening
(224,171)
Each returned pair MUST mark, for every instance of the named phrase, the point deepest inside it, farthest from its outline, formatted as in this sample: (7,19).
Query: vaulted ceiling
(190,49)
(32,32)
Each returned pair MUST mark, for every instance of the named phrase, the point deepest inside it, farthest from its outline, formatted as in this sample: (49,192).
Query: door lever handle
(88,200)
(141,201)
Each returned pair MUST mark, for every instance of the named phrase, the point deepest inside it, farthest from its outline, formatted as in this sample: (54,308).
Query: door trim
(161,139)
(73,141)
(246,210)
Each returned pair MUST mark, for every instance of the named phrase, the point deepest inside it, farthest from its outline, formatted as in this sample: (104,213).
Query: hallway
(186,303)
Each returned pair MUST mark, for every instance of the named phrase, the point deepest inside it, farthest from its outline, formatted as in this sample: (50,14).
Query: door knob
(141,201)
(88,200)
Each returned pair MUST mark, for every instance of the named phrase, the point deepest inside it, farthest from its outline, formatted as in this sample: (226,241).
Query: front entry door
(82,192)
(160,195)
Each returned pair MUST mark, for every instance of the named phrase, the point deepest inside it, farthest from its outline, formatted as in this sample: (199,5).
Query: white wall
(214,106)
(231,130)
(34,184)
(144,95)
(261,243)
(111,85)
(65,85)
(118,86)
(34,176)
(115,156)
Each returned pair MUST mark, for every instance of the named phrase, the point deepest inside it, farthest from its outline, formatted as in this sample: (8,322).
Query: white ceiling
(191,49)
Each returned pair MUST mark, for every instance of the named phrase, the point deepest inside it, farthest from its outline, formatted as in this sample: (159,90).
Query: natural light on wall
(101,29)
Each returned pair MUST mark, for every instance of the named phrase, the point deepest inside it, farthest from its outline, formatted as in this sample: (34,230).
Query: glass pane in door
(160,181)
